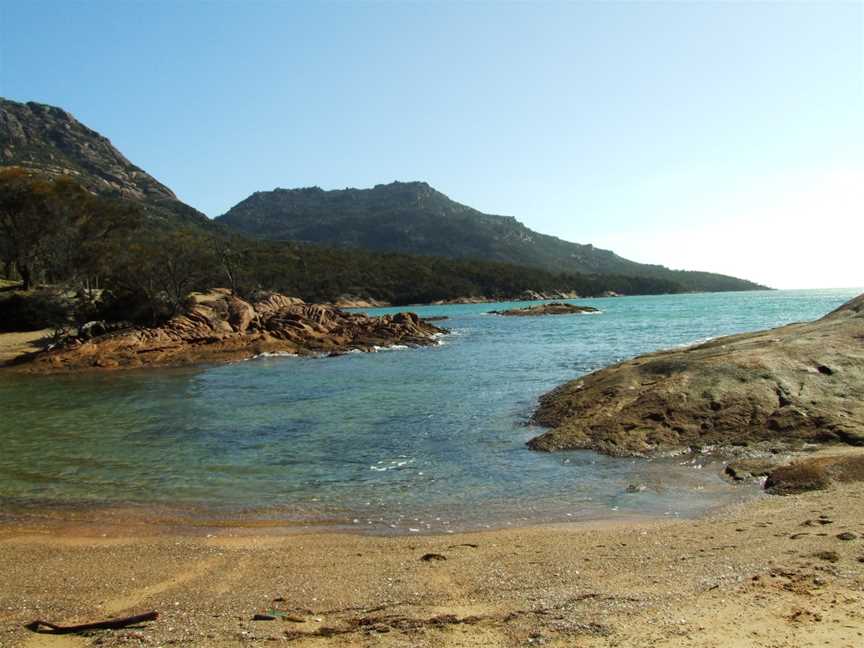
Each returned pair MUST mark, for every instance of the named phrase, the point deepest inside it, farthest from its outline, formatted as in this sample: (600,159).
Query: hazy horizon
(702,136)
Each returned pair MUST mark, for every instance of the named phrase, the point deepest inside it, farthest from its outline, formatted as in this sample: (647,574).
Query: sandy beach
(774,572)
(418,324)
(13,345)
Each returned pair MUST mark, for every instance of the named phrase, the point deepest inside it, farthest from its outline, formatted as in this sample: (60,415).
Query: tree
(160,269)
(23,220)
(233,256)
(55,230)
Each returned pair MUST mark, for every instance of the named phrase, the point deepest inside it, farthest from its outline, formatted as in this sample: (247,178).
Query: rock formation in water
(526,295)
(785,386)
(534,295)
(221,327)
(555,308)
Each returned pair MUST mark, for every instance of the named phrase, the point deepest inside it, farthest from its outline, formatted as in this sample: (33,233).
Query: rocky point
(781,388)
(221,327)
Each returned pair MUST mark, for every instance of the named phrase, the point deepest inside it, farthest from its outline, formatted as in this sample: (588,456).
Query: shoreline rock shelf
(223,328)
(776,389)
(555,308)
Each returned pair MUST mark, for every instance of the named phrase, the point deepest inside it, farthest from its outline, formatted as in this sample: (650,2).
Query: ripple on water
(423,440)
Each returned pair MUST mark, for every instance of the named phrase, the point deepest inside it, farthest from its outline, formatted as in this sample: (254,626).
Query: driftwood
(111,624)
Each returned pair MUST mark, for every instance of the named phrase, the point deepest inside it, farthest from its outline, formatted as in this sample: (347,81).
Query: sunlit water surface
(412,440)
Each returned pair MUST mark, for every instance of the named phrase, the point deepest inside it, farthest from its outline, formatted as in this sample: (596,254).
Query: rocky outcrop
(816,473)
(462,300)
(751,469)
(533,295)
(353,301)
(221,328)
(528,295)
(555,308)
(783,387)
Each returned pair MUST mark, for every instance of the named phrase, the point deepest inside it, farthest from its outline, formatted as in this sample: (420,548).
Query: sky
(720,136)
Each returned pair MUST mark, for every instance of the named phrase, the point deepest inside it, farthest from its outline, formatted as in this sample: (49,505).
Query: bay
(404,440)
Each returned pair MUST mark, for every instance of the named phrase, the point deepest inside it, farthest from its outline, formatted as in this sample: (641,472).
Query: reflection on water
(425,439)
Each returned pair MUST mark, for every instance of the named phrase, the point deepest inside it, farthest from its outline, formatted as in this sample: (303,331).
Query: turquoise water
(419,439)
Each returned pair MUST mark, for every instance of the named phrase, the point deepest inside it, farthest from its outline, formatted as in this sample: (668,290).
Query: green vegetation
(324,274)
(106,258)
(414,218)
(87,235)
(35,310)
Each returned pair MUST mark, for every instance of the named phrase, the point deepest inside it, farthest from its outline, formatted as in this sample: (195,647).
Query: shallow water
(421,439)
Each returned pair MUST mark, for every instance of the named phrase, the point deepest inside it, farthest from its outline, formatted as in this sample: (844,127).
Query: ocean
(398,441)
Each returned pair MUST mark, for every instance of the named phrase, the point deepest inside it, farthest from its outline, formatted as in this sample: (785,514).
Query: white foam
(695,342)
(274,354)
(395,464)
(453,333)
(393,347)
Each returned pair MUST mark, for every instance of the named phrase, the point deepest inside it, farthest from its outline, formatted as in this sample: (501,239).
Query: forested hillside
(414,218)
(107,258)
(106,240)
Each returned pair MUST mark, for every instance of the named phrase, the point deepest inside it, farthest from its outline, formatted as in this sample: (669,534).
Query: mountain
(51,141)
(414,218)
(198,254)
(394,243)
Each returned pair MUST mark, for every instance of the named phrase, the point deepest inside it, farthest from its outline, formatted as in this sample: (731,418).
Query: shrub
(32,311)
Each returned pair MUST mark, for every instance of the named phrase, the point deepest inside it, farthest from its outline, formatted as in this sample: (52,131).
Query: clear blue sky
(719,136)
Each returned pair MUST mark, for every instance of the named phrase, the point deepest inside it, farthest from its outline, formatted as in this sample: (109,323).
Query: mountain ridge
(406,218)
(415,218)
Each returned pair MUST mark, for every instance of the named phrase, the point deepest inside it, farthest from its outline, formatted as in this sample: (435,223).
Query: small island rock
(555,308)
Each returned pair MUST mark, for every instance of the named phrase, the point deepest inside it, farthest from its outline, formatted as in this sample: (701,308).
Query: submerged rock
(220,327)
(789,385)
(555,308)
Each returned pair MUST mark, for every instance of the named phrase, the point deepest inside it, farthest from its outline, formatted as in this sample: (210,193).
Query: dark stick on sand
(111,624)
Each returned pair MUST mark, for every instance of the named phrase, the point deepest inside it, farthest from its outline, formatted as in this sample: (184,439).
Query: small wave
(396,464)
(695,342)
(453,333)
(274,354)
(393,347)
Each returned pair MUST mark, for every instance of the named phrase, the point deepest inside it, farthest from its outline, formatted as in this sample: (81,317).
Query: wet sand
(770,573)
